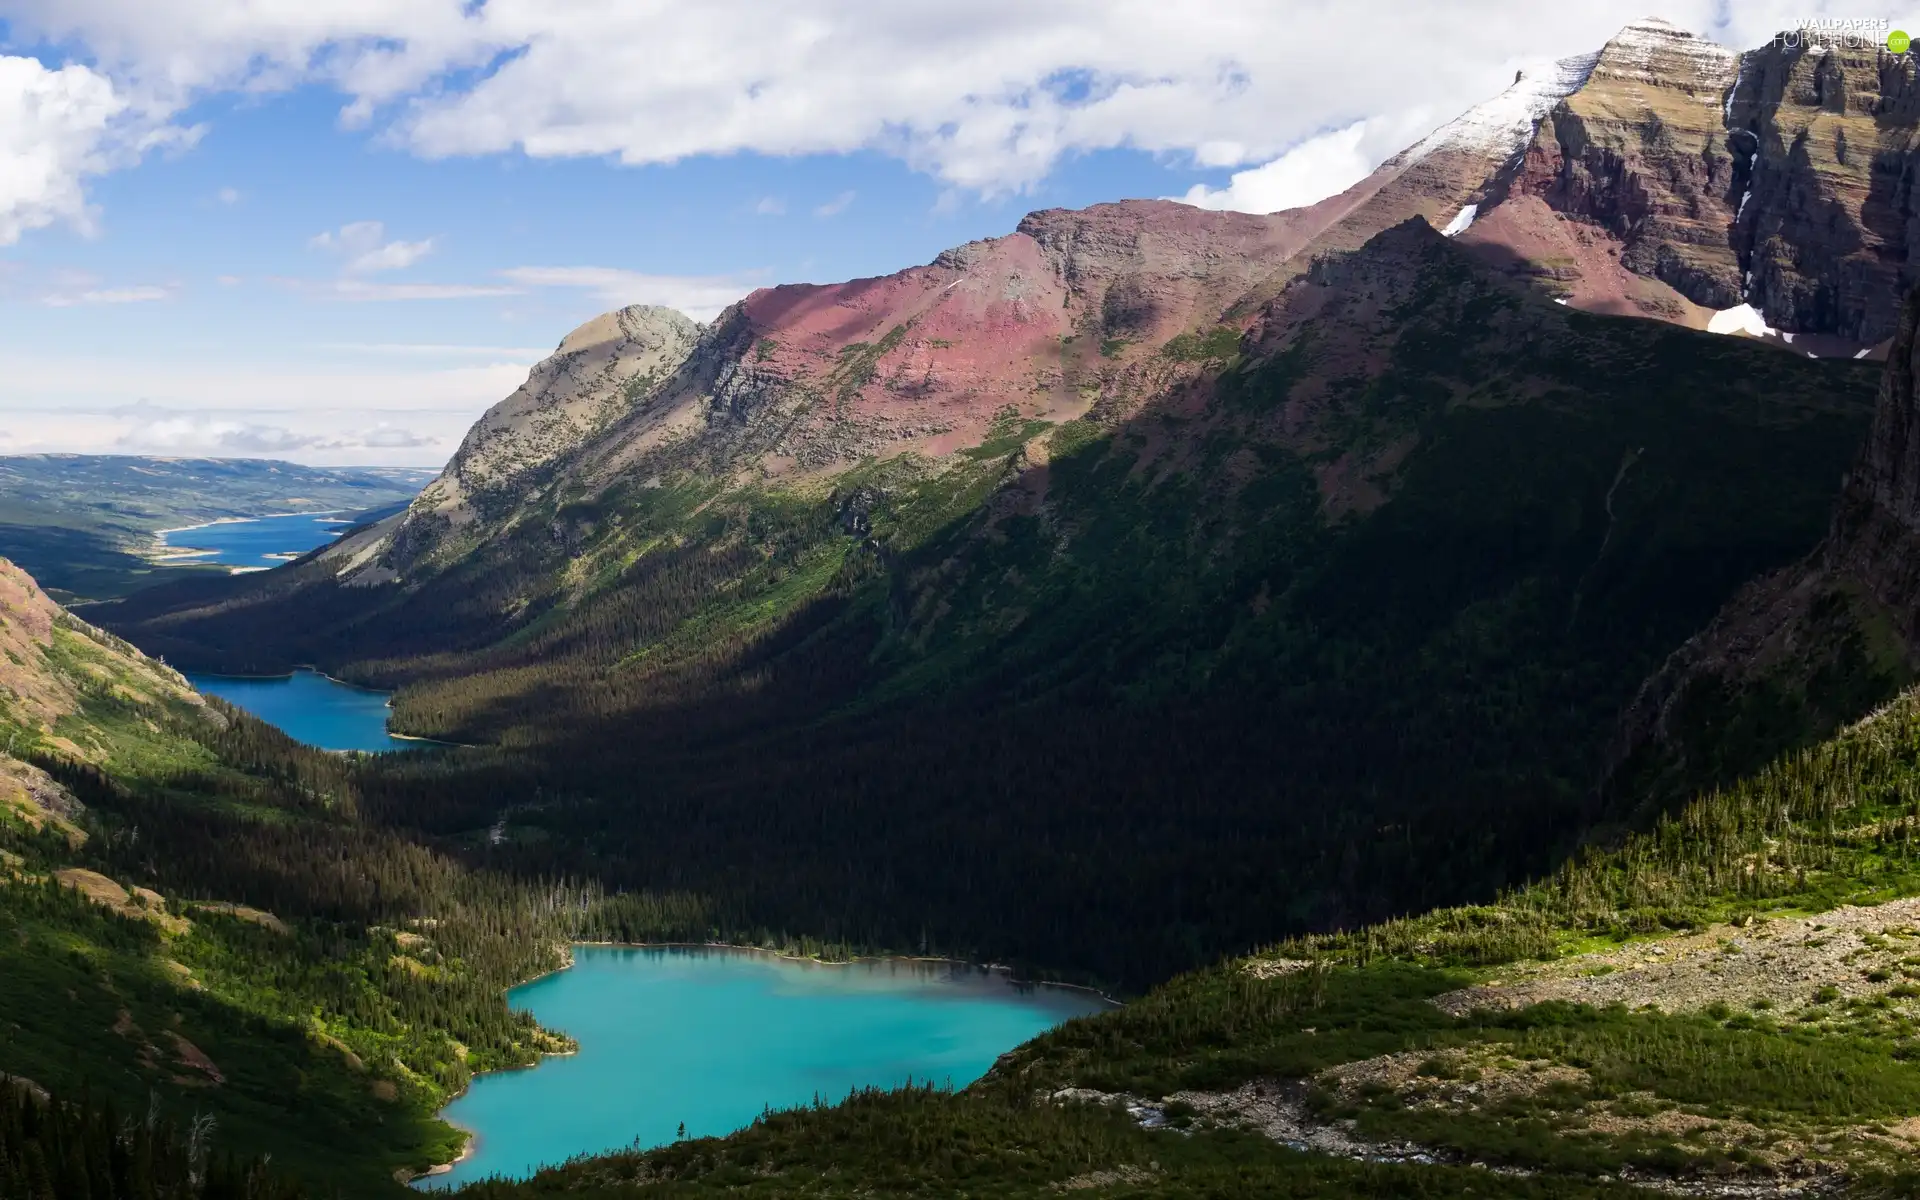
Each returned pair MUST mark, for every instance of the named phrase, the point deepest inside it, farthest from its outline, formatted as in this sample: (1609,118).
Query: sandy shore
(467,1145)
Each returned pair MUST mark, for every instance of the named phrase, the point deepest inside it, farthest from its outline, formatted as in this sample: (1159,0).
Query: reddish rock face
(1661,176)
(1640,152)
(983,325)
(1069,311)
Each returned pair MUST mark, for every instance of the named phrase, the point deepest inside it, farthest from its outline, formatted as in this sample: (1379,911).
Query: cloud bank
(987,98)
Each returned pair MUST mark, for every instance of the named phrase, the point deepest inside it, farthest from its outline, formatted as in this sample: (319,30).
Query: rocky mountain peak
(1658,52)
(646,324)
(600,372)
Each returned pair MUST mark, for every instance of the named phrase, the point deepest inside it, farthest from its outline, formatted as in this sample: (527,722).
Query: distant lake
(310,708)
(259,543)
(712,1037)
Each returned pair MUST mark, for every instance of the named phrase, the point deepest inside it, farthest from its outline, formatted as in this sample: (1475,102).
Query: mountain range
(1364,520)
(1158,598)
(1762,193)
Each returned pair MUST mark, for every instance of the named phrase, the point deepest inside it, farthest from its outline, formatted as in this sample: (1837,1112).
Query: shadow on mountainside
(1337,630)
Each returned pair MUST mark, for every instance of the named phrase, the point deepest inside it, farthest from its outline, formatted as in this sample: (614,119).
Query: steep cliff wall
(1798,653)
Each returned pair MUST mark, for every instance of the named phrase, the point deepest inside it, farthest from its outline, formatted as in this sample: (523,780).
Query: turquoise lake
(310,708)
(712,1038)
(259,543)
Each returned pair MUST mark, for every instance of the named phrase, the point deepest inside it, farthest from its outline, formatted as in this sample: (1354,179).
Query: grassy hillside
(1292,631)
(82,523)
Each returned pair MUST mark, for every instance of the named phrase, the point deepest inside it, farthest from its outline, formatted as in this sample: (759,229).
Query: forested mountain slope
(1360,586)
(197,931)
(1799,652)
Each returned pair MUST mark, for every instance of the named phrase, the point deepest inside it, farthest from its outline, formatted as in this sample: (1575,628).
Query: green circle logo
(1898,41)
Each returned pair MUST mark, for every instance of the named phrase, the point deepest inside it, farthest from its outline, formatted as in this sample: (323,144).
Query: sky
(336,232)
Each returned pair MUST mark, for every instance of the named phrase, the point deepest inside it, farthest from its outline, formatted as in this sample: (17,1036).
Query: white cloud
(57,128)
(361,244)
(835,206)
(387,437)
(699,296)
(770,206)
(367,289)
(119,295)
(227,195)
(1316,168)
(151,428)
(986,97)
(336,413)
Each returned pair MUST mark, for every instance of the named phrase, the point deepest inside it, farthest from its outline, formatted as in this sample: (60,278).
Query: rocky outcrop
(1827,228)
(599,372)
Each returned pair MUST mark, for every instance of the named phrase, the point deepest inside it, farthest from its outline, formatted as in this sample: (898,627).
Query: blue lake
(259,543)
(310,708)
(711,1038)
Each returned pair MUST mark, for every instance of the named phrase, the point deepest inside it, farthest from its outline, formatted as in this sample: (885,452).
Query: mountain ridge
(1661,176)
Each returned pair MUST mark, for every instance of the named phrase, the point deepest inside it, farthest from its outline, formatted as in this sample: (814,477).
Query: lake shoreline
(567,962)
(161,553)
(309,669)
(323,512)
(468,1145)
(737,947)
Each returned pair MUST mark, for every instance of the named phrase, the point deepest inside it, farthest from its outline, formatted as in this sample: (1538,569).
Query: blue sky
(336,233)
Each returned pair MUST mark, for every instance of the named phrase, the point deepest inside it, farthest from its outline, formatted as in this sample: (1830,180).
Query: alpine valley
(1165,600)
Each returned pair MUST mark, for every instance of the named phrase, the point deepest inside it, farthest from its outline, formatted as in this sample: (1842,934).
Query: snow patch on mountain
(1501,127)
(1741,318)
(1460,221)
